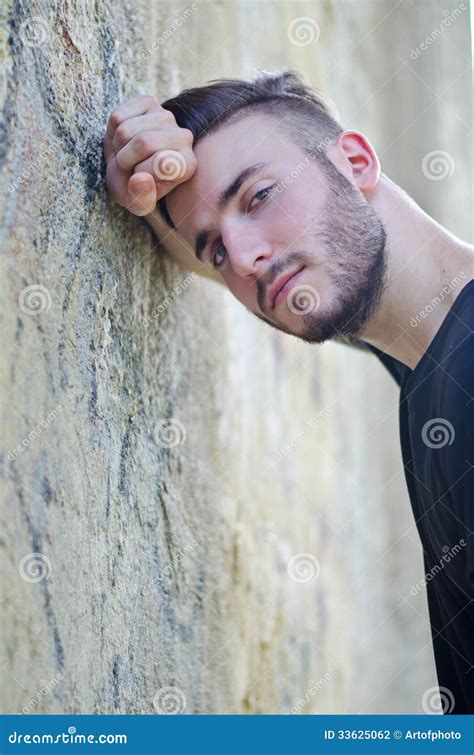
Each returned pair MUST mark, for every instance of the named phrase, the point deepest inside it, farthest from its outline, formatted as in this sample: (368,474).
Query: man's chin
(308,330)
(316,333)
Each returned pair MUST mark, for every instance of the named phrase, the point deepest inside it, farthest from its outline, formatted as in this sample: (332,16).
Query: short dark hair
(304,113)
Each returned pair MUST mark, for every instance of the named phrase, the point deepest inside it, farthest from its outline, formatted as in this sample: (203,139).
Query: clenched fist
(147,154)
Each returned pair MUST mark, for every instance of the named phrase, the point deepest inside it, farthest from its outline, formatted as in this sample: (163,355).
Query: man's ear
(354,157)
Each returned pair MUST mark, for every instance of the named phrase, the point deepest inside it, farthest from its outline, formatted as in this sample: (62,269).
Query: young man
(267,193)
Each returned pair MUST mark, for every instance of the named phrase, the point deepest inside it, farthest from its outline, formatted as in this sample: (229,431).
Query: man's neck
(427,267)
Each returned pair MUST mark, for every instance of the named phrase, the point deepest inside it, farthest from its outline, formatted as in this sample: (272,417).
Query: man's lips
(279,284)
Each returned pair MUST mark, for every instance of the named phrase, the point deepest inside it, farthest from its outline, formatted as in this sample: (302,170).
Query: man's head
(279,190)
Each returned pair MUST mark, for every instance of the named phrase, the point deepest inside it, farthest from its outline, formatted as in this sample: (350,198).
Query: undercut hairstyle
(301,112)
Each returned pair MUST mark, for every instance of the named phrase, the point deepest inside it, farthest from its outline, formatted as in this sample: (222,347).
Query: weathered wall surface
(199,514)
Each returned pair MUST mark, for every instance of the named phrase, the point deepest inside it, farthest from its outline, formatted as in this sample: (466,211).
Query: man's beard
(353,237)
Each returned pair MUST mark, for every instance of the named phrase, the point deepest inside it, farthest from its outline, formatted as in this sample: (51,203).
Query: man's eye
(220,250)
(216,261)
(258,195)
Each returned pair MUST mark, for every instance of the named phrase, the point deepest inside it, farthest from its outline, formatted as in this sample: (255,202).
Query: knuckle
(187,135)
(190,168)
(142,142)
(123,133)
(191,162)
(115,118)
(167,116)
(121,161)
(149,100)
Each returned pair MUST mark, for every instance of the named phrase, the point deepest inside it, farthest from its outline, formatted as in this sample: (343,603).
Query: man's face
(291,217)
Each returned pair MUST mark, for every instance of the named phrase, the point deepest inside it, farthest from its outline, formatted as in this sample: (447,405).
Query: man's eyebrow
(225,196)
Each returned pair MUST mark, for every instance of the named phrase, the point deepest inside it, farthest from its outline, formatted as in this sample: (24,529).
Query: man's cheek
(287,230)
(242,290)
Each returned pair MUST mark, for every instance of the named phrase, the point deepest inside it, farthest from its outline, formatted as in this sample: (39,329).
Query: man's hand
(147,154)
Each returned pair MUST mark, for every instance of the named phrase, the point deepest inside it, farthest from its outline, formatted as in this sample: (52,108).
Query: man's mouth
(282,287)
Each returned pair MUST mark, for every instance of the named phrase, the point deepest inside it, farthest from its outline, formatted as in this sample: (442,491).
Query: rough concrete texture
(166,459)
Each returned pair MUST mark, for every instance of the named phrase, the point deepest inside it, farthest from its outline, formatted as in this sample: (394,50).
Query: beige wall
(164,553)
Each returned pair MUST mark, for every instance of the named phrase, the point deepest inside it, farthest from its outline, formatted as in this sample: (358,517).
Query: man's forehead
(220,156)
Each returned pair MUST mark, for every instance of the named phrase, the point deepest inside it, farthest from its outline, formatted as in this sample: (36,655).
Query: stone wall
(199,514)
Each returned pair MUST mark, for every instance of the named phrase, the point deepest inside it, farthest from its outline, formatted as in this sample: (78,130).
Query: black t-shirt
(436,416)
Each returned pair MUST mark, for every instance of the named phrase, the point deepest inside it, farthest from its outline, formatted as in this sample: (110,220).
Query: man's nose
(249,254)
